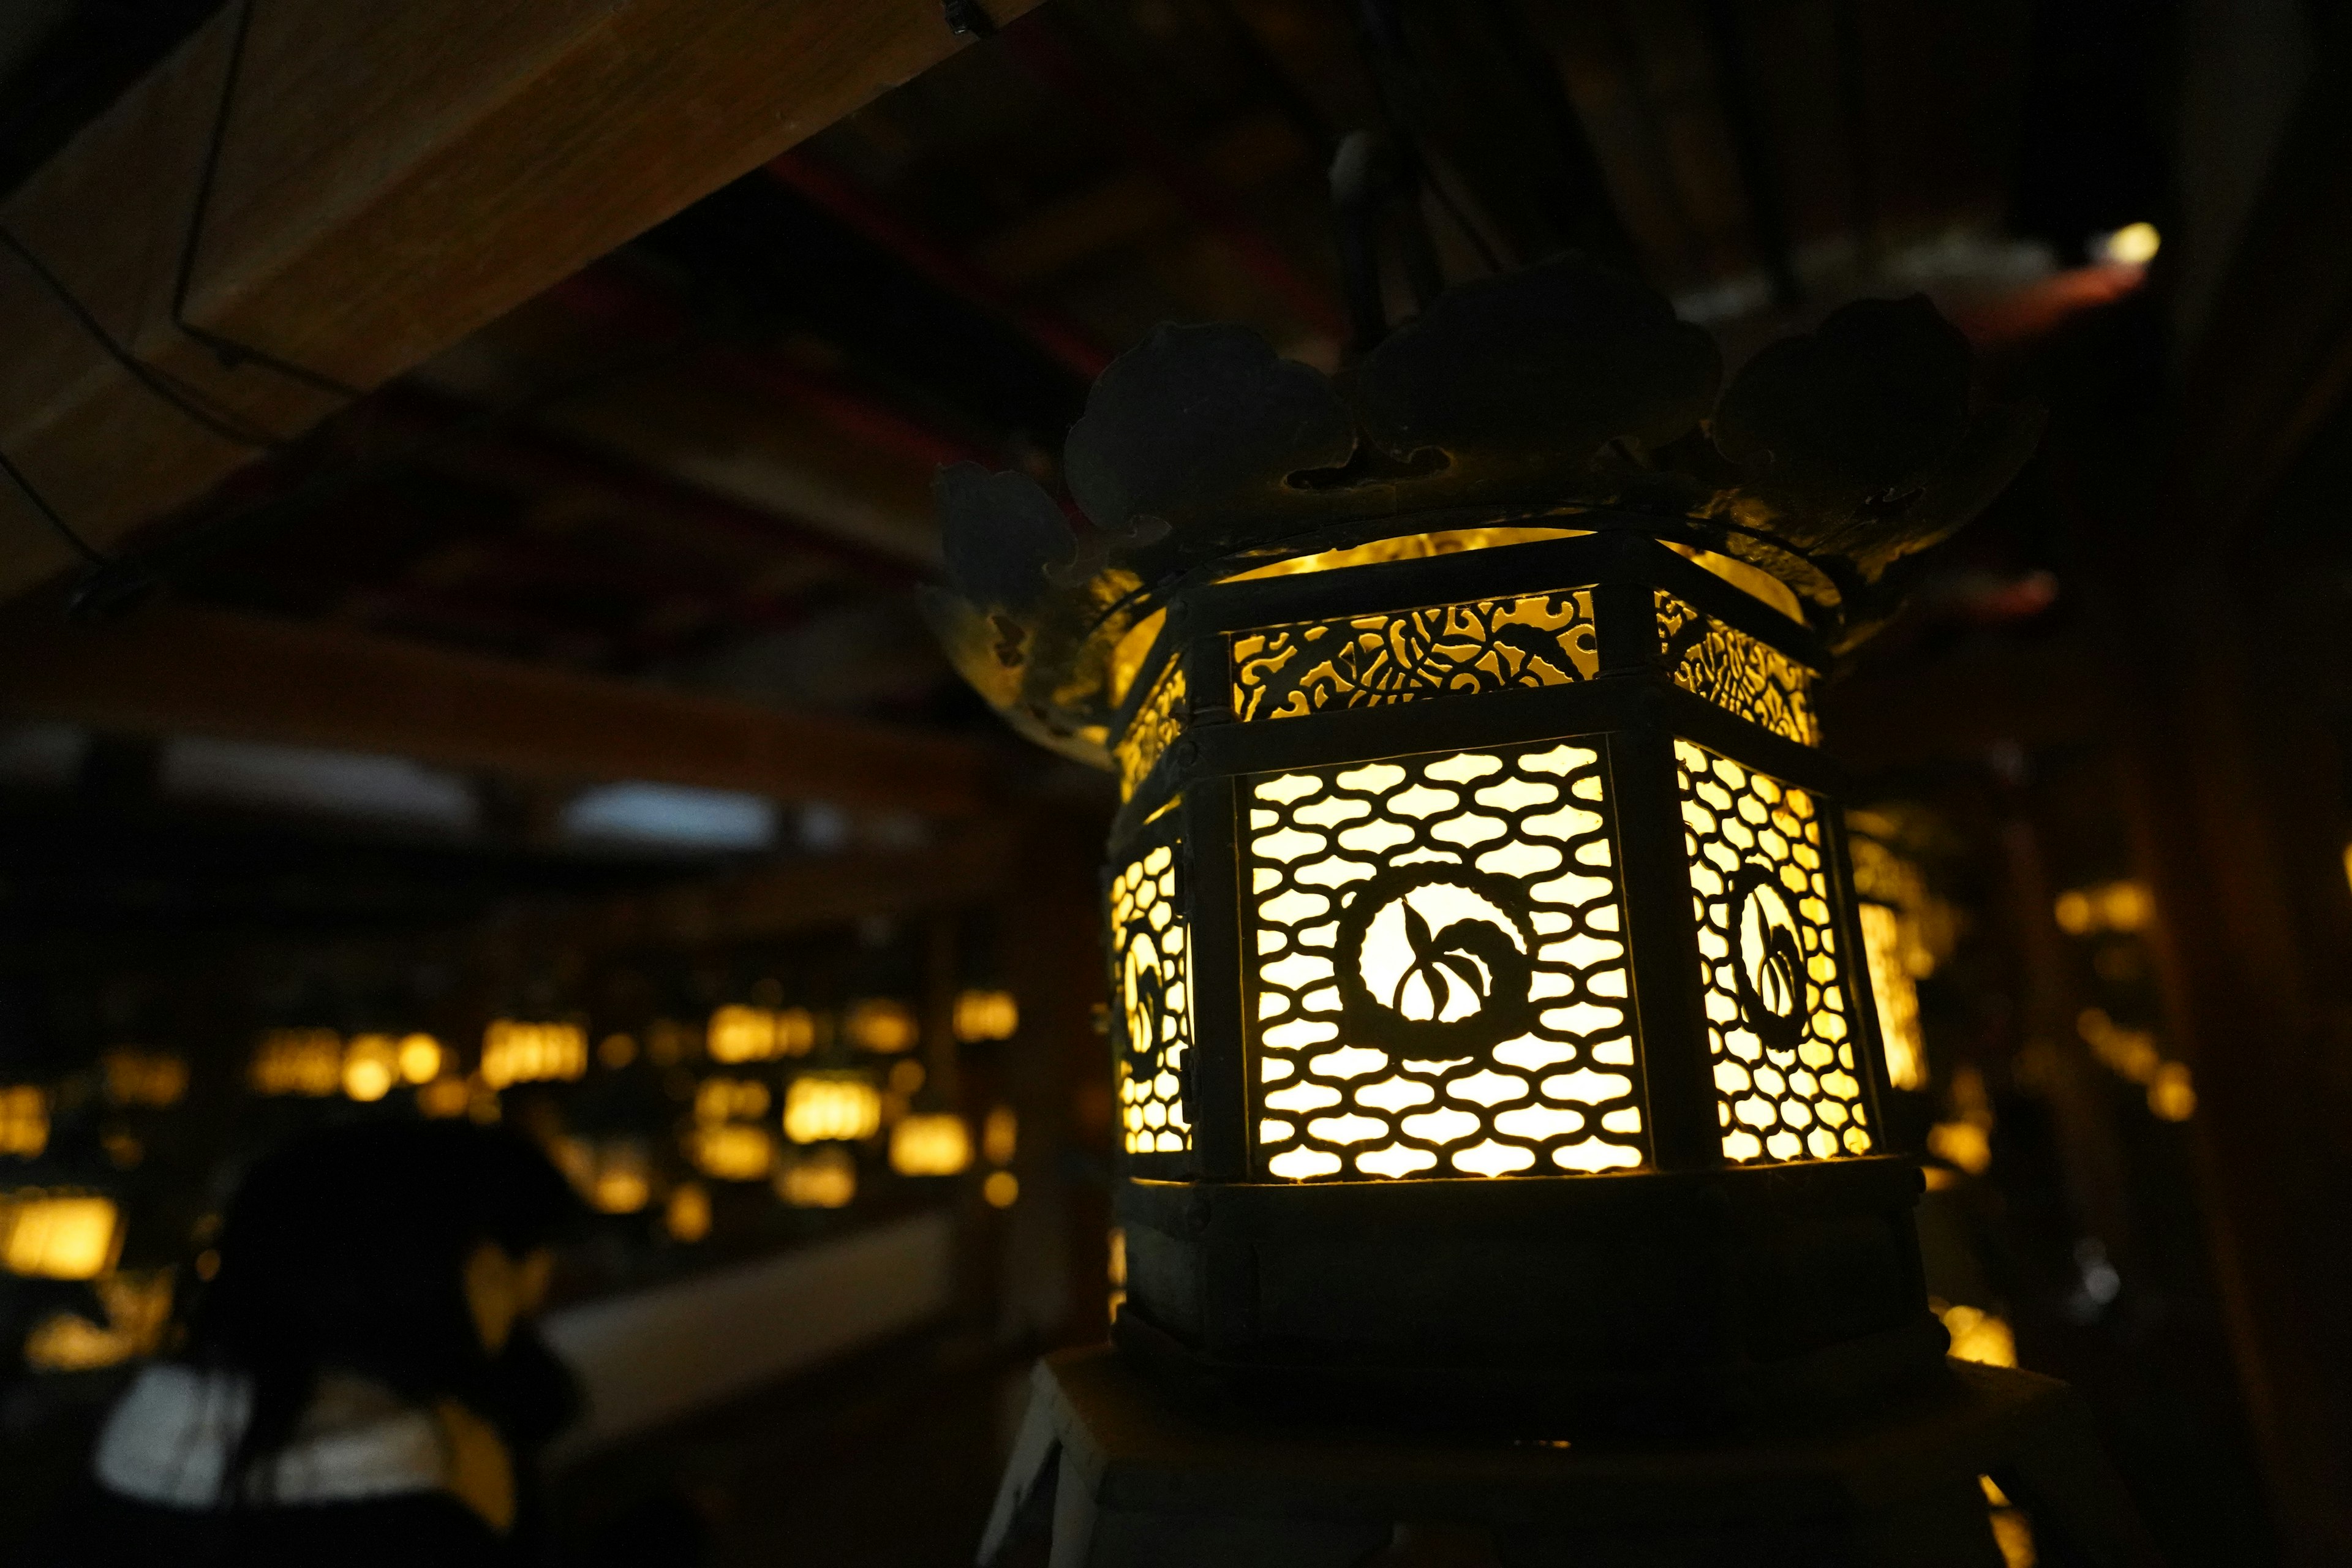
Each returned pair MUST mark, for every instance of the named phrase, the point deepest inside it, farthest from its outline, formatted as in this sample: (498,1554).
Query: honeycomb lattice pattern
(1778,1005)
(1151,959)
(1437,970)
(1736,672)
(1156,723)
(1362,661)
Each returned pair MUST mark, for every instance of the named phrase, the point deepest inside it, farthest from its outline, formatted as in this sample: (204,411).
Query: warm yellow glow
(740,1034)
(1409,547)
(729,1100)
(930,1145)
(138,1306)
(1968,1146)
(819,1179)
(298,1061)
(24,1120)
(2130,1053)
(2134,245)
(1000,1135)
(880,1024)
(823,1107)
(2011,1531)
(51,1236)
(371,1067)
(1978,1336)
(1752,581)
(732,1151)
(2124,906)
(1003,1189)
(1412,655)
(1897,995)
(615,1177)
(985,1016)
(1528,822)
(687,1215)
(1156,722)
(444,1098)
(1116,1268)
(1738,673)
(145,1077)
(621,1188)
(908,1076)
(420,1059)
(2170,1094)
(1127,655)
(614,1052)
(2348,863)
(482,1103)
(518,1052)
(1779,1016)
(1153,994)
(1938,1179)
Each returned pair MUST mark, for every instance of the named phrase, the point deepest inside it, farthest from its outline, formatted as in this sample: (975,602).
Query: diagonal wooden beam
(184,669)
(374,182)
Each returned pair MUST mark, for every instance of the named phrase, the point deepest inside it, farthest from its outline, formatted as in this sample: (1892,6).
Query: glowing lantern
(687,1215)
(732,1151)
(60,1236)
(930,1145)
(24,1120)
(880,1026)
(986,1015)
(371,1067)
(308,1062)
(1003,1189)
(1490,1003)
(1000,1135)
(818,1179)
(515,1052)
(828,1107)
(145,1077)
(420,1058)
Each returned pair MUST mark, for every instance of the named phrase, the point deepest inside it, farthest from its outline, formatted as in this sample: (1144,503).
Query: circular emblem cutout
(1143,993)
(1768,957)
(1434,962)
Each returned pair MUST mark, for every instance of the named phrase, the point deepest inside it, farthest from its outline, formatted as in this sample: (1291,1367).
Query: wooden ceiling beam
(309,197)
(181,668)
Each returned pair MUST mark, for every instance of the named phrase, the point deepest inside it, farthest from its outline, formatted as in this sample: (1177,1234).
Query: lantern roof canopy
(1560,396)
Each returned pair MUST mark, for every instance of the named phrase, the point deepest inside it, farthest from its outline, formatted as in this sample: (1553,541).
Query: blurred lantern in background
(822,1178)
(744,1033)
(832,1106)
(985,1016)
(24,1120)
(306,1062)
(517,1052)
(687,1215)
(880,1024)
(1000,1135)
(53,1235)
(141,1078)
(371,1067)
(420,1058)
(930,1144)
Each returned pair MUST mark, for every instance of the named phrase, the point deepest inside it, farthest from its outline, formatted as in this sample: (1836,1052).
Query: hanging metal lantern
(1491,1023)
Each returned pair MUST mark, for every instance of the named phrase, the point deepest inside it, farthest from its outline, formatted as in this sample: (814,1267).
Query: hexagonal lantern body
(1492,1036)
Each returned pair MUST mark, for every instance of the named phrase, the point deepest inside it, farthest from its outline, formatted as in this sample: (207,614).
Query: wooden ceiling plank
(389,179)
(178,669)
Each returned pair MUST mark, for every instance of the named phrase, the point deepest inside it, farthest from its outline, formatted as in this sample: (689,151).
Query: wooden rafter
(372,182)
(182,668)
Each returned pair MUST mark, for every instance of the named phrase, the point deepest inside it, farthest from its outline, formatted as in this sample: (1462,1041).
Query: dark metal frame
(1228,1271)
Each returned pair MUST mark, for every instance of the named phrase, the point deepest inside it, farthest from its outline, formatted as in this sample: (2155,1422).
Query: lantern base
(1642,1304)
(1119,1478)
